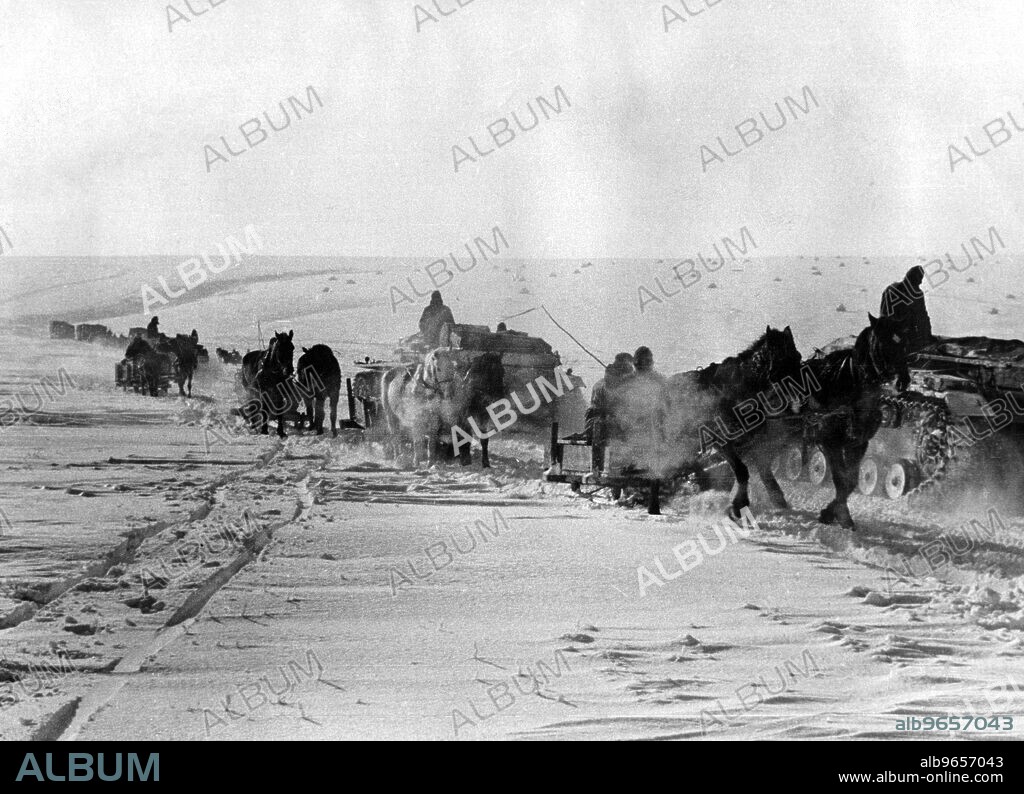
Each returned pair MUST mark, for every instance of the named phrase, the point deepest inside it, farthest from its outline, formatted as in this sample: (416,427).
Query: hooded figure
(644,410)
(606,406)
(153,328)
(904,300)
(433,319)
(643,360)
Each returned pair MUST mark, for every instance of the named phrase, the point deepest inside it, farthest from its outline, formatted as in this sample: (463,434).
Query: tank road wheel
(890,415)
(900,477)
(791,463)
(817,467)
(867,481)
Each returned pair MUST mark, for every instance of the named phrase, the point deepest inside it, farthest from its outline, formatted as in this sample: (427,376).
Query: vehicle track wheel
(788,464)
(900,477)
(867,480)
(792,463)
(817,467)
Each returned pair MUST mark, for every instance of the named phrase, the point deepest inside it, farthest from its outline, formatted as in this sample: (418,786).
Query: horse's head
(438,371)
(281,352)
(138,346)
(486,377)
(774,356)
(886,345)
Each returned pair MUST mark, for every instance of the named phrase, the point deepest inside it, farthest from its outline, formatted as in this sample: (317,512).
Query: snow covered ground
(155,585)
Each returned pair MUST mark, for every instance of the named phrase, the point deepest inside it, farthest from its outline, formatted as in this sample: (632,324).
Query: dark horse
(267,371)
(319,377)
(482,386)
(148,363)
(183,348)
(845,405)
(718,407)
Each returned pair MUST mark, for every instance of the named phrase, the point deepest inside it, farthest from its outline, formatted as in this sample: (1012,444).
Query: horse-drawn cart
(574,460)
(524,358)
(128,374)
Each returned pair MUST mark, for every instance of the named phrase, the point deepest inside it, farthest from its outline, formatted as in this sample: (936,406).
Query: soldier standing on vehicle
(904,300)
(433,320)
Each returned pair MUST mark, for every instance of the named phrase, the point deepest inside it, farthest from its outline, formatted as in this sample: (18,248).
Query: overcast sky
(106,112)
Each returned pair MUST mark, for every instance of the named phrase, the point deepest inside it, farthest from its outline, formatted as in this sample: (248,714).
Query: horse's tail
(389,410)
(250,368)
(386,409)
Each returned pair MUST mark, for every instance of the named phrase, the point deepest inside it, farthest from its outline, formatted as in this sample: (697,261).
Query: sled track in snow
(67,722)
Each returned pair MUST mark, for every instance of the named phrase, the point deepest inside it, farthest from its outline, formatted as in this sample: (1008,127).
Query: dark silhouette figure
(153,329)
(433,320)
(904,302)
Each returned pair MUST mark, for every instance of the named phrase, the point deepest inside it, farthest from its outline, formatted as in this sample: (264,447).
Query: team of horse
(150,361)
(422,403)
(840,412)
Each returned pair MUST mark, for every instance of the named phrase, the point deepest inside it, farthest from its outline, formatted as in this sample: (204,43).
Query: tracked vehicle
(964,408)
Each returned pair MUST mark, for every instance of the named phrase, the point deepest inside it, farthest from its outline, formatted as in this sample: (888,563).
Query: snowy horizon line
(428,257)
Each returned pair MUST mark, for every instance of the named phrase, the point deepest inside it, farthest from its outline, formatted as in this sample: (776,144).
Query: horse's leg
(190,383)
(485,462)
(417,445)
(466,453)
(253,411)
(281,412)
(834,456)
(318,418)
(334,414)
(775,494)
(265,414)
(853,454)
(742,474)
(432,449)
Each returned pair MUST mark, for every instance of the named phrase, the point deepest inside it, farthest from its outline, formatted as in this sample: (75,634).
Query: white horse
(421,405)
